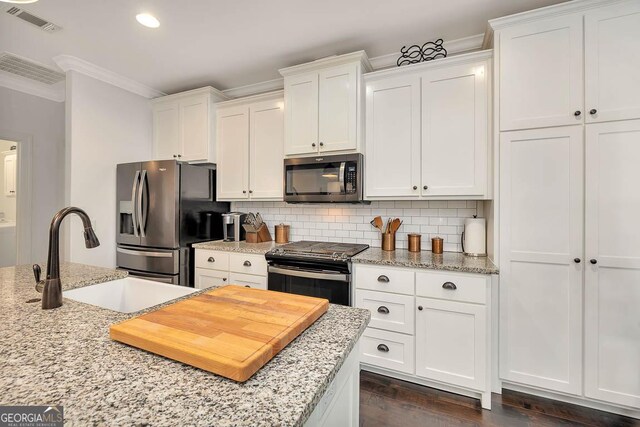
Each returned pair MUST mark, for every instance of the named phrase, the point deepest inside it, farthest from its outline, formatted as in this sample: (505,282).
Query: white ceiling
(231,43)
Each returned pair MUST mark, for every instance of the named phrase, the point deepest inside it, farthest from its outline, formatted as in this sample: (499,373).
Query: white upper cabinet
(232,174)
(266,149)
(612,277)
(393,136)
(428,130)
(184,126)
(10,173)
(323,104)
(541,257)
(612,61)
(541,73)
(250,148)
(455,130)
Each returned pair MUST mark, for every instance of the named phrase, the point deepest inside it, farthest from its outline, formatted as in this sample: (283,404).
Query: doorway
(9,165)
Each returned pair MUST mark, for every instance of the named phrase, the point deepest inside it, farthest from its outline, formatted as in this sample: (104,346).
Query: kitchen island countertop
(65,356)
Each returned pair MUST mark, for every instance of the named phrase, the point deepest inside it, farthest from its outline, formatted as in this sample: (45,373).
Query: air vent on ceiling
(29,17)
(22,67)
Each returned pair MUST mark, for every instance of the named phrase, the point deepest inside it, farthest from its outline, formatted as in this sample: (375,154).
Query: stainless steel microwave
(323,179)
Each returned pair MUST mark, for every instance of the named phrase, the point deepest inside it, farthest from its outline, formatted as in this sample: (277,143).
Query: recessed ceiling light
(147,20)
(19,1)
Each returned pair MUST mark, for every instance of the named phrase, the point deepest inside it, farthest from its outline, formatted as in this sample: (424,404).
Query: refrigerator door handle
(142,218)
(134,213)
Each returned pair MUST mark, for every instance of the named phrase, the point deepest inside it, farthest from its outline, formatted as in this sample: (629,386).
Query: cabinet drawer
(206,278)
(452,286)
(212,260)
(248,264)
(391,312)
(386,279)
(389,350)
(248,280)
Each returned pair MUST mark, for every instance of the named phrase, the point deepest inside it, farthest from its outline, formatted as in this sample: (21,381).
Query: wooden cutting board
(232,331)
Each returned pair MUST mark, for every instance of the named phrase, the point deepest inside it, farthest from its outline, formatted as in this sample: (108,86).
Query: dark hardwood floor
(389,402)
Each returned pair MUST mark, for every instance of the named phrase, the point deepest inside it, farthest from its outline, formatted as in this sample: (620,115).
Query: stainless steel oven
(320,179)
(314,282)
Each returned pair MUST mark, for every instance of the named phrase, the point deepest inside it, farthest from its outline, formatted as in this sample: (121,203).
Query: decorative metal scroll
(427,52)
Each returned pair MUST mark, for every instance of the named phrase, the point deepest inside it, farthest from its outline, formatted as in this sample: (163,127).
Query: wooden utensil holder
(262,235)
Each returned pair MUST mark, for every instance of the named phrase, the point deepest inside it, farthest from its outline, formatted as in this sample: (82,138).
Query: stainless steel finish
(320,250)
(144,253)
(449,285)
(382,278)
(299,272)
(52,290)
(341,176)
(232,225)
(164,278)
(382,347)
(134,217)
(160,189)
(382,309)
(141,217)
(163,261)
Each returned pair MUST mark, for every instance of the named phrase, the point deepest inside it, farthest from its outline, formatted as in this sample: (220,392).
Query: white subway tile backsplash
(351,223)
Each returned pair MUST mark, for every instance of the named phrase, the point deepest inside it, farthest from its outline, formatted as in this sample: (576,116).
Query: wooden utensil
(388,228)
(377,223)
(232,331)
(395,225)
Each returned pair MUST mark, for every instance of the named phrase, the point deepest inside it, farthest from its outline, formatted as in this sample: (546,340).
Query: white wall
(7,203)
(351,223)
(106,125)
(43,121)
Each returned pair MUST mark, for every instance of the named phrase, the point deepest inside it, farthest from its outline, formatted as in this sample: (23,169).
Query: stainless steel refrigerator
(162,208)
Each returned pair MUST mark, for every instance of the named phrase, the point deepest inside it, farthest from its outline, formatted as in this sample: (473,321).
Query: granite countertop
(244,247)
(450,261)
(65,356)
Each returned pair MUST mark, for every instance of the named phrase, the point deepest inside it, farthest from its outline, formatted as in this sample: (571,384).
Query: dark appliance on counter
(322,179)
(317,269)
(162,208)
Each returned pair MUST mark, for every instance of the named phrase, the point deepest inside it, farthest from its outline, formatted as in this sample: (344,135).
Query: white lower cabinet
(429,327)
(218,268)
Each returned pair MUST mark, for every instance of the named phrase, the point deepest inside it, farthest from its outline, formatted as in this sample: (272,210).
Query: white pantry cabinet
(428,126)
(323,104)
(567,68)
(10,174)
(428,327)
(612,277)
(250,148)
(184,125)
(541,211)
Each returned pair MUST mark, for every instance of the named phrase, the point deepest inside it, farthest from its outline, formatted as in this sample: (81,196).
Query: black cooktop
(322,248)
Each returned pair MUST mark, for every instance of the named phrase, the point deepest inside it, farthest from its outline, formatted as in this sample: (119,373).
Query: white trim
(454,47)
(277,95)
(24,254)
(330,61)
(68,62)
(255,88)
(55,92)
(216,95)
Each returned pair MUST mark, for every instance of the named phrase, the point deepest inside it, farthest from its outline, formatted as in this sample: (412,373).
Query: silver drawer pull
(211,259)
(449,285)
(383,348)
(247,264)
(382,309)
(382,278)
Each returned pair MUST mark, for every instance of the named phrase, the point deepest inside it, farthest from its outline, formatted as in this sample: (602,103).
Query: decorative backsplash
(350,223)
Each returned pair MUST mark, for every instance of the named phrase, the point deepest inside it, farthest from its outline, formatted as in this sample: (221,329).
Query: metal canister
(282,233)
(388,241)
(415,242)
(437,244)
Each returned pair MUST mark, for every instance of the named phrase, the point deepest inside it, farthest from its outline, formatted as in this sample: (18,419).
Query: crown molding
(254,89)
(454,47)
(330,61)
(72,63)
(277,95)
(215,94)
(55,92)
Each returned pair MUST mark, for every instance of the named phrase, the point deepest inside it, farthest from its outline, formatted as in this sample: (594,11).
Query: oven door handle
(342,178)
(338,277)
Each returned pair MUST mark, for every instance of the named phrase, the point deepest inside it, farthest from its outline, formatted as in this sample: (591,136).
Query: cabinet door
(393,137)
(166,130)
(194,113)
(612,285)
(454,131)
(541,73)
(10,169)
(451,342)
(541,220)
(233,153)
(301,119)
(266,150)
(206,278)
(612,61)
(338,108)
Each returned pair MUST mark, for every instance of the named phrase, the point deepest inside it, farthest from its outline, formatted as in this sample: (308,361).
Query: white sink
(127,295)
